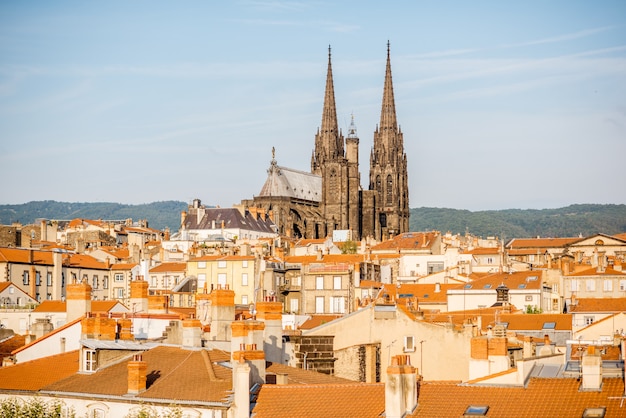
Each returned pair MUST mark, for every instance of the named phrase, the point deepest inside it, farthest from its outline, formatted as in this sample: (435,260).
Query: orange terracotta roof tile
(598,305)
(427,293)
(317,320)
(305,242)
(483,251)
(540,242)
(51,306)
(23,256)
(173,374)
(543,397)
(30,375)
(86,261)
(594,272)
(531,279)
(297,376)
(8,345)
(311,401)
(408,241)
(169,267)
(224,258)
(123,266)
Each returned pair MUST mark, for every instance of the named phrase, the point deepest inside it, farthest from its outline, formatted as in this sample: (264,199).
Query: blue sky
(502,104)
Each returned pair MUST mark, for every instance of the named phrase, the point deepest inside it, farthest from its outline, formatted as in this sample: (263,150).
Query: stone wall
(316,352)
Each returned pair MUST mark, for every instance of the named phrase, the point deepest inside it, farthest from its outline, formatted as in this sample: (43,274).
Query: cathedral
(330,198)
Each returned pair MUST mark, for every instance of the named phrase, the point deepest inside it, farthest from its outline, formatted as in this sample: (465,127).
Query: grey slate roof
(232,219)
(287,182)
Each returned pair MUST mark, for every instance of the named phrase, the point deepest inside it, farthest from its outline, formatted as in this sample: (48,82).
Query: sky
(503,105)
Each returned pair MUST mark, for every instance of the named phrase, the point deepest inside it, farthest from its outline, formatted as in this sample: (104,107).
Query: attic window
(532,278)
(598,412)
(476,411)
(522,286)
(467,286)
(549,325)
(487,286)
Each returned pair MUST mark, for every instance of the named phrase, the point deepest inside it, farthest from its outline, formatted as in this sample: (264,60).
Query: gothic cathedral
(330,198)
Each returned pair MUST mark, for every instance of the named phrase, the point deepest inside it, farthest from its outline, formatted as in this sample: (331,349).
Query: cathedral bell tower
(388,168)
(339,172)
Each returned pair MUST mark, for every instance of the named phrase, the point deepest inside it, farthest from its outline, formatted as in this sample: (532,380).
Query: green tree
(150,412)
(348,247)
(34,408)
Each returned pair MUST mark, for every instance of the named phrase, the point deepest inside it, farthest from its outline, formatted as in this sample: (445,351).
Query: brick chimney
(137,375)
(139,295)
(78,296)
(400,387)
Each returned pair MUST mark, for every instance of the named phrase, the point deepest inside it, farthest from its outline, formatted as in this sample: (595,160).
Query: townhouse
(235,272)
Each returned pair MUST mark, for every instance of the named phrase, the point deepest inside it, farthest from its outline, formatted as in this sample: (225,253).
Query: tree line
(570,221)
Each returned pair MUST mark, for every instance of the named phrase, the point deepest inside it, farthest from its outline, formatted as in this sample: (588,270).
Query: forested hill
(158,214)
(569,221)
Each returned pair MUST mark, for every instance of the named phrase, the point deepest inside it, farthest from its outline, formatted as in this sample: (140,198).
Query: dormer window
(90,360)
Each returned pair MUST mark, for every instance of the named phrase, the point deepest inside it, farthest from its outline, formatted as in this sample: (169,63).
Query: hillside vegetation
(569,221)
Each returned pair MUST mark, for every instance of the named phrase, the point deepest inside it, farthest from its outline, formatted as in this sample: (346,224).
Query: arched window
(379,189)
(389,190)
(333,182)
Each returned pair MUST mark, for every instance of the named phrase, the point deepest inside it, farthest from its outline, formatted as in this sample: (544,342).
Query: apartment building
(236,272)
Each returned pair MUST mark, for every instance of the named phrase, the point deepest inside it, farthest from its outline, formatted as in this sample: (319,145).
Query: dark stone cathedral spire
(329,143)
(388,168)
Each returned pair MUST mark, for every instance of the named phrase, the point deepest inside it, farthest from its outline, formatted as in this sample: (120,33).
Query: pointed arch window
(379,188)
(389,190)
(333,182)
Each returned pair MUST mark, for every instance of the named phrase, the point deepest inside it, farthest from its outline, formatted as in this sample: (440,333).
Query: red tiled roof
(408,241)
(609,271)
(598,305)
(173,374)
(424,292)
(328,400)
(167,267)
(317,320)
(86,261)
(10,344)
(22,256)
(483,251)
(123,266)
(542,243)
(224,258)
(543,397)
(61,306)
(532,280)
(36,374)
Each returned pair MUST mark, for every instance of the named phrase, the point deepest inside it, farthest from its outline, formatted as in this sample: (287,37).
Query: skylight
(532,278)
(477,410)
(598,412)
(487,286)
(522,286)
(549,325)
(468,286)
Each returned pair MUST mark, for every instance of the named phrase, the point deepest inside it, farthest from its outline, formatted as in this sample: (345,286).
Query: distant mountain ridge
(569,221)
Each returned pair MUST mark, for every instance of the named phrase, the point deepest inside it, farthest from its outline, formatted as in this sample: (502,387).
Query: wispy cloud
(560,38)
